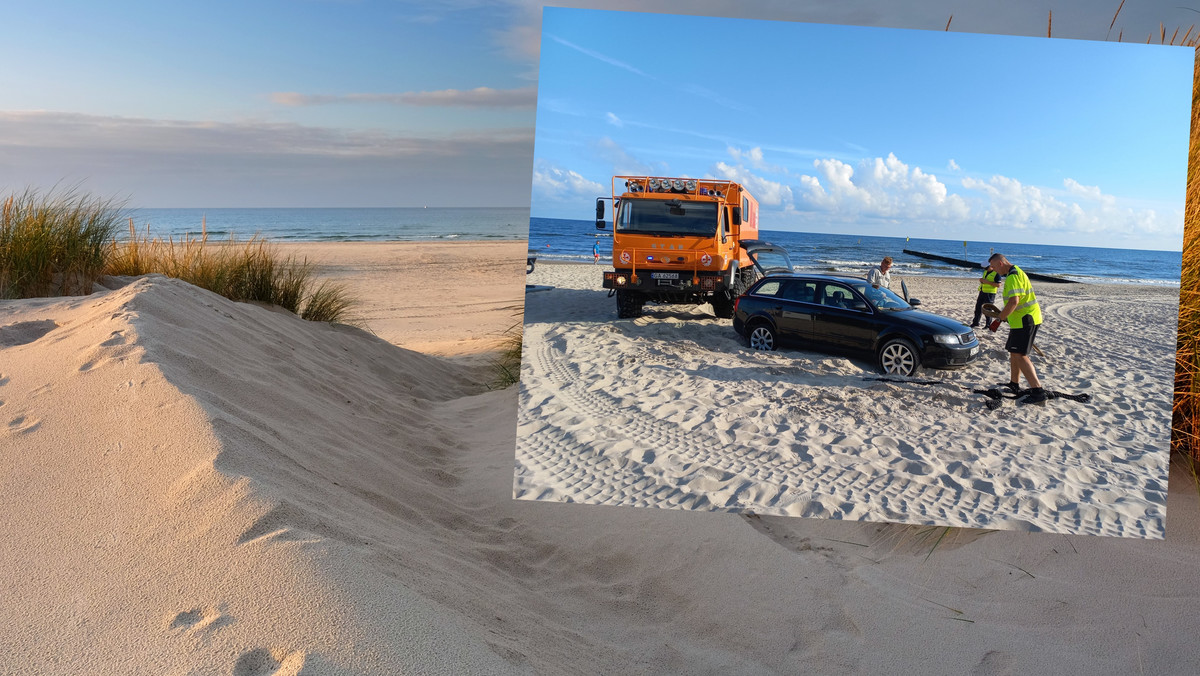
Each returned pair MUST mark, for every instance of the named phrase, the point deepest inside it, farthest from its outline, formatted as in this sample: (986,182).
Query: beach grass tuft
(1185,438)
(54,243)
(329,302)
(507,367)
(62,242)
(252,271)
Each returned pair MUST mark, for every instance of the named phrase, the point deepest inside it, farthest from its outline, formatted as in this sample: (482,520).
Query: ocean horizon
(854,255)
(572,240)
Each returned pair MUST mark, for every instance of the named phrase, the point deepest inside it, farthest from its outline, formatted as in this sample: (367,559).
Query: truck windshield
(667,217)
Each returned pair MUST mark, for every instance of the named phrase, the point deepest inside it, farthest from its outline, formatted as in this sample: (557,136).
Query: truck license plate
(664,275)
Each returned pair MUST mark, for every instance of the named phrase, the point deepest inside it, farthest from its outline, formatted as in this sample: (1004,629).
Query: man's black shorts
(1020,340)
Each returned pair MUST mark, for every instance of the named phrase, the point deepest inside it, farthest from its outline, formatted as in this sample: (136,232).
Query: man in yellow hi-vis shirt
(988,284)
(1024,317)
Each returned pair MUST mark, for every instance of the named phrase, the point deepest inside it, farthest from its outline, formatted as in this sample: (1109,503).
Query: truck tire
(746,279)
(723,300)
(629,304)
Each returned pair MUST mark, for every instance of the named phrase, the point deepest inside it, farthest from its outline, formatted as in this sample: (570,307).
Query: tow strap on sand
(996,396)
(905,380)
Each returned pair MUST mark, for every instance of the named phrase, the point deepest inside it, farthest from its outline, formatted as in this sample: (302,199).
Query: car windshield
(667,217)
(881,298)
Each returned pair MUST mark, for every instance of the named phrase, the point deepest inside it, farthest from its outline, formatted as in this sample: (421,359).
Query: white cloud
(623,163)
(754,157)
(196,163)
(480,97)
(953,166)
(769,193)
(1007,203)
(604,58)
(1088,192)
(883,188)
(614,120)
(554,184)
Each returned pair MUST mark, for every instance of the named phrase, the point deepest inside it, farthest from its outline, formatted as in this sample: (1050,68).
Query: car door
(796,310)
(845,321)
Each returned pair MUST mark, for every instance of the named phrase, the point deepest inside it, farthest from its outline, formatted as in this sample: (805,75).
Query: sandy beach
(673,410)
(452,300)
(196,486)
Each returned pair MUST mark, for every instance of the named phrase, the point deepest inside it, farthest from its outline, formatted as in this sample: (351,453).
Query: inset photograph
(853,273)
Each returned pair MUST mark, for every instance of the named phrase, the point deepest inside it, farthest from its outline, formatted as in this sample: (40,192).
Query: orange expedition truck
(681,240)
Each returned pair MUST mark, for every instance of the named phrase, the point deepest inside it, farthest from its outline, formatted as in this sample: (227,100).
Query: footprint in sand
(263,662)
(23,425)
(198,620)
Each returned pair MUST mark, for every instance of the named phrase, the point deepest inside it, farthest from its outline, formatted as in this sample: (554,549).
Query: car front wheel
(899,357)
(761,337)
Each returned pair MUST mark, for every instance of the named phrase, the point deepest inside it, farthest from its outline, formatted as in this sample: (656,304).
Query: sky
(299,103)
(871,131)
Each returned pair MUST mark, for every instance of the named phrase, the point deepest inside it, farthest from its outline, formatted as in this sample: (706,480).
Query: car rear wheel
(899,357)
(761,337)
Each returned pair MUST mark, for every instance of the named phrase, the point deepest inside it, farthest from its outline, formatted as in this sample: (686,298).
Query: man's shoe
(1036,396)
(1013,388)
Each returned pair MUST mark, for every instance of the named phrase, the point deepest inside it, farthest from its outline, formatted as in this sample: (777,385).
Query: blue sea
(572,240)
(339,225)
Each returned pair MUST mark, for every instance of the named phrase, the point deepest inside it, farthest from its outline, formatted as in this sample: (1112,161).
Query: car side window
(800,290)
(836,295)
(769,288)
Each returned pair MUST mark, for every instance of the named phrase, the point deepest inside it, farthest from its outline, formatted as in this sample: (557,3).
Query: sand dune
(194,486)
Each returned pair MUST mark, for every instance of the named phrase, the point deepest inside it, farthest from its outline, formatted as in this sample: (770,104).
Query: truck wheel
(899,357)
(746,279)
(722,304)
(629,304)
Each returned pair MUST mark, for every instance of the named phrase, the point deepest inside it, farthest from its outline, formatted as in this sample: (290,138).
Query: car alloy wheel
(762,338)
(899,358)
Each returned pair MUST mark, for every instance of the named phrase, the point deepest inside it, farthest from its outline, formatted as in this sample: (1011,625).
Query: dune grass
(507,367)
(250,270)
(1185,437)
(61,242)
(54,243)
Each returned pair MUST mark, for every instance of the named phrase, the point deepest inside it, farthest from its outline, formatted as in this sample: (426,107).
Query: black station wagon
(842,314)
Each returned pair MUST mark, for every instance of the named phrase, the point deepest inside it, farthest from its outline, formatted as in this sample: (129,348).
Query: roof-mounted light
(690,185)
